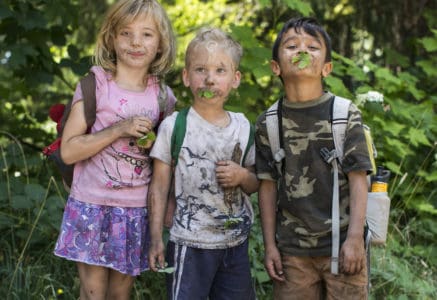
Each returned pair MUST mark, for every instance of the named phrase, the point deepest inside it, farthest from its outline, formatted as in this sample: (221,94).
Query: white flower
(373,96)
(370,96)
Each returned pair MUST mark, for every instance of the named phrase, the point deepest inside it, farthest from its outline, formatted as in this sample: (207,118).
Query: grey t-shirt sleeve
(162,147)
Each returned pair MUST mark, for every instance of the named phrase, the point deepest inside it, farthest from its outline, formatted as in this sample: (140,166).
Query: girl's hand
(136,126)
(156,255)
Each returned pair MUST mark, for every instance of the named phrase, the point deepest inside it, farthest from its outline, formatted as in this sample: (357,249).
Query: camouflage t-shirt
(305,191)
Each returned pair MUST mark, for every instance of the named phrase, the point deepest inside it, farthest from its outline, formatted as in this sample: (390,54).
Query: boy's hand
(228,173)
(156,255)
(352,256)
(273,263)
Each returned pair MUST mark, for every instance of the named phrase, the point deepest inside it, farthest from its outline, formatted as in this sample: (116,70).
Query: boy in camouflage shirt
(296,207)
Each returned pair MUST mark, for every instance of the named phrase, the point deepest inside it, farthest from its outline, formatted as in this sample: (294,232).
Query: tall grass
(406,268)
(31,204)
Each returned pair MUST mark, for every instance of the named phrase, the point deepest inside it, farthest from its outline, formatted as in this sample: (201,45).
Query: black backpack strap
(280,129)
(88,85)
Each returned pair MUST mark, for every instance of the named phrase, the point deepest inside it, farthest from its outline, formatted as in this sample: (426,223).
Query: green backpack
(178,135)
(177,138)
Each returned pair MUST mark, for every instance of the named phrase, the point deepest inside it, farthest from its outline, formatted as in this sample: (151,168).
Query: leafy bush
(43,55)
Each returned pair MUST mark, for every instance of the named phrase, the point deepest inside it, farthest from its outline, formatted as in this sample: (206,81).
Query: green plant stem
(20,258)
(8,182)
(21,152)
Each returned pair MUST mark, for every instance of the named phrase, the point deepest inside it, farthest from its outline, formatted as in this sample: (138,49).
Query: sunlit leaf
(393,167)
(426,207)
(337,86)
(300,6)
(430,43)
(417,137)
(428,66)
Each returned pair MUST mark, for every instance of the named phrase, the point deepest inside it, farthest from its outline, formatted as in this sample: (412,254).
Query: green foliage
(405,268)
(261,279)
(46,47)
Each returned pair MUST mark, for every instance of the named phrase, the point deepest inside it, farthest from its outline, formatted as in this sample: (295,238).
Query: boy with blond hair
(208,245)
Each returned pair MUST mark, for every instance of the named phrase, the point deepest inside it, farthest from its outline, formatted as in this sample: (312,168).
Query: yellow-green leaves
(232,222)
(208,94)
(147,140)
(303,58)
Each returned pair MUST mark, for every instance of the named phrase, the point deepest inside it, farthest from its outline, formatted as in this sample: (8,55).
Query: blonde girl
(105,224)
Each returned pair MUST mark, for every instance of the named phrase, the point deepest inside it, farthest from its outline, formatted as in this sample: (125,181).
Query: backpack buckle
(279,155)
(328,156)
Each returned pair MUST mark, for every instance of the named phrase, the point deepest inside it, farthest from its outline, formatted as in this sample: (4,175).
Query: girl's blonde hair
(124,12)
(214,37)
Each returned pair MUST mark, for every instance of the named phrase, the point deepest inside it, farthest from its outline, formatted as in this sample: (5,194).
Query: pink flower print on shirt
(122,102)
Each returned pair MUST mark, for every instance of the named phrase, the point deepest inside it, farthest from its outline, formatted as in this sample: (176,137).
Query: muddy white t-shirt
(202,218)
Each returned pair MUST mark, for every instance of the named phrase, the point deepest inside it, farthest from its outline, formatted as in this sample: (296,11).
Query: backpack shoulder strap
(88,87)
(249,141)
(339,119)
(273,134)
(163,101)
(178,134)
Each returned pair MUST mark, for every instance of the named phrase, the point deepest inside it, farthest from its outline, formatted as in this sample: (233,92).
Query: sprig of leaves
(146,140)
(165,269)
(232,222)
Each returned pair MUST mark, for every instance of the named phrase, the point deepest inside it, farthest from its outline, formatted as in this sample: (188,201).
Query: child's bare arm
(157,203)
(267,206)
(77,145)
(352,253)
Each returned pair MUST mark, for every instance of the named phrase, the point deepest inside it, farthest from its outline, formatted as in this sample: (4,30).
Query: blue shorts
(209,273)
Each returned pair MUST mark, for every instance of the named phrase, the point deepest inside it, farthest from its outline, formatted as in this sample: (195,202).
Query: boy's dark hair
(309,26)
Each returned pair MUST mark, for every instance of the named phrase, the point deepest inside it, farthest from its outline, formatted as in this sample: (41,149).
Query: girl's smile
(137,43)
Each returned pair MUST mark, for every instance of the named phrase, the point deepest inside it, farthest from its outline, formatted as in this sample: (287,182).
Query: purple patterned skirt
(107,236)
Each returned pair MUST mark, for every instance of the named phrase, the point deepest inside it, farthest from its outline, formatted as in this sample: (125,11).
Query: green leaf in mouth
(206,94)
(303,58)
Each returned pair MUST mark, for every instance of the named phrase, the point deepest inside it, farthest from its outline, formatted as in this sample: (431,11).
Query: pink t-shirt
(118,175)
